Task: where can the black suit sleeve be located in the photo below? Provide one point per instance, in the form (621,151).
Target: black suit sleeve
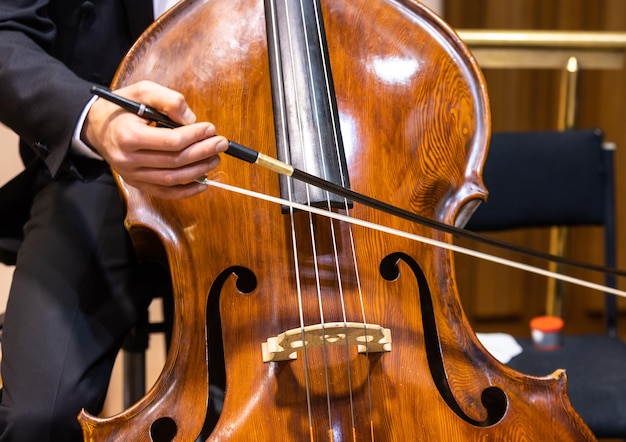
(51,52)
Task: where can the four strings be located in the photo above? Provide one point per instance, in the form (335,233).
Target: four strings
(293,206)
(335,133)
(328,213)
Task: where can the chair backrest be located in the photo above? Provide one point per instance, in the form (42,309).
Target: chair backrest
(552,178)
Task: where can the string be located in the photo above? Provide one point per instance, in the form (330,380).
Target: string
(316,107)
(411,236)
(342,174)
(311,226)
(282,121)
(300,118)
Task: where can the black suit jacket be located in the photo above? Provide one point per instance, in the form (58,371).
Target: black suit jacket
(51,52)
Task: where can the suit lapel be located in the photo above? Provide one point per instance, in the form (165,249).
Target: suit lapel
(139,14)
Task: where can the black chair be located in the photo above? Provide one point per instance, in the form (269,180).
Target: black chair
(555,178)
(136,345)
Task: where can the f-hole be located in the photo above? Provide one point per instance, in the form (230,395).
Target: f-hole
(246,283)
(493,398)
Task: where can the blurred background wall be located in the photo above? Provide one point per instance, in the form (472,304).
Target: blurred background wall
(500,299)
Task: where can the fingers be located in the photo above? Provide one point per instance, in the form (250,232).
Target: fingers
(134,135)
(161,98)
(161,183)
(163,162)
(146,169)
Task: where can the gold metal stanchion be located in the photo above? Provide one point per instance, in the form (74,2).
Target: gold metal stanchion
(568,103)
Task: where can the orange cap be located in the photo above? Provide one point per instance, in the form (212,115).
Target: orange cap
(547,324)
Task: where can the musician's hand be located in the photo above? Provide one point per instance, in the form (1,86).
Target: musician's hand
(160,161)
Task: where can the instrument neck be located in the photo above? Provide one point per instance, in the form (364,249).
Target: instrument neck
(308,135)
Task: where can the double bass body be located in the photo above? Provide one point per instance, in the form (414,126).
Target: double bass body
(330,331)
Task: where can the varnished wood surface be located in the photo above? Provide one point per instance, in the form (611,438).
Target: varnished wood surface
(415,136)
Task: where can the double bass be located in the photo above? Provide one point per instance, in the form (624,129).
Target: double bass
(329,330)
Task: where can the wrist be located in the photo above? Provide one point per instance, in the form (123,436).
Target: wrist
(80,144)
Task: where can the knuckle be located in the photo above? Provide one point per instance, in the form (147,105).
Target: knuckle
(173,141)
(168,179)
(143,87)
(126,139)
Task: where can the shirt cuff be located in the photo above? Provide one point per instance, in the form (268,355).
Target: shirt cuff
(78,146)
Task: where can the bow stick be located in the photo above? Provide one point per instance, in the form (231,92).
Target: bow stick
(251,156)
